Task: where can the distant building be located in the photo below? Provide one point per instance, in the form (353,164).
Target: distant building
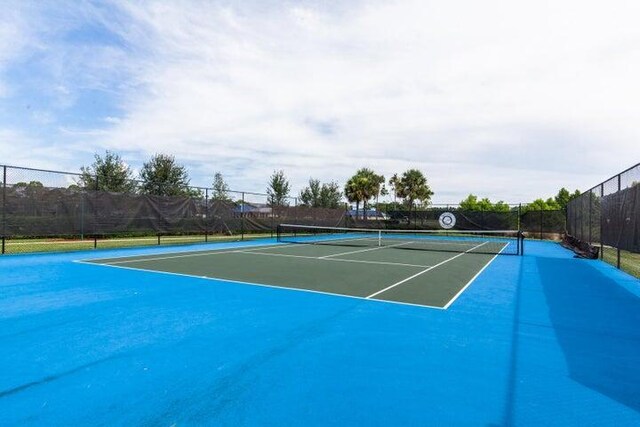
(370,214)
(258,211)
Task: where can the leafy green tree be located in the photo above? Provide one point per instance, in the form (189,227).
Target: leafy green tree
(163,176)
(30,188)
(319,195)
(500,206)
(330,195)
(485,204)
(310,195)
(220,188)
(564,197)
(470,203)
(111,172)
(413,187)
(542,205)
(278,189)
(31,184)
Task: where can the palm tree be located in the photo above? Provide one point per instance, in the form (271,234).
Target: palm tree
(413,187)
(363,186)
(394,183)
(353,192)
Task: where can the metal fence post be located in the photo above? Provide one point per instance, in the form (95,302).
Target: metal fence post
(206,215)
(4,207)
(601,244)
(574,226)
(95,214)
(242,218)
(541,213)
(618,242)
(272,217)
(590,218)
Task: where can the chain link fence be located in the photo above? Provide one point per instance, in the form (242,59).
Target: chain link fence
(50,210)
(44,210)
(538,224)
(608,216)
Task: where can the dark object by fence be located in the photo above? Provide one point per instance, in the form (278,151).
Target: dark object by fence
(582,249)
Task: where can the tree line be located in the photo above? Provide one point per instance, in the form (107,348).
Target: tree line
(558,202)
(162,175)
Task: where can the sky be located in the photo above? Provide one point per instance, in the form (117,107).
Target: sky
(506,100)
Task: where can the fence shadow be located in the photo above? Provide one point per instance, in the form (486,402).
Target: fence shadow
(596,323)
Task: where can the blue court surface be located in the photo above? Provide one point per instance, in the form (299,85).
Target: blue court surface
(539,339)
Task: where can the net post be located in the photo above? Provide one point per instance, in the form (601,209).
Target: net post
(379,238)
(242,218)
(4,206)
(206,214)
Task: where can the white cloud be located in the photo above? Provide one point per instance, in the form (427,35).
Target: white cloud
(505,99)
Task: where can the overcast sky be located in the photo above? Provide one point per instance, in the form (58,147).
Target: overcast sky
(506,99)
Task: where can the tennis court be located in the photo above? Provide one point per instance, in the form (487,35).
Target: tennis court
(346,327)
(416,267)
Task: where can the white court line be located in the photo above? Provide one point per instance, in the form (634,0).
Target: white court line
(369,298)
(186,255)
(239,282)
(401,264)
(204,252)
(455,297)
(424,271)
(191,254)
(364,250)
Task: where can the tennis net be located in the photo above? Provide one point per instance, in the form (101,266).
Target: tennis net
(502,242)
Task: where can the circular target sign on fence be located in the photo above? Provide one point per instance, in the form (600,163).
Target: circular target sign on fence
(447,220)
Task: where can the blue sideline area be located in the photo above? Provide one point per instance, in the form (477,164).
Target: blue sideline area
(544,339)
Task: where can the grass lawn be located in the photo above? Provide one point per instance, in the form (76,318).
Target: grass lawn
(629,261)
(13,246)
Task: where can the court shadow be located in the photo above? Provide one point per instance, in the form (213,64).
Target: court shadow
(597,324)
